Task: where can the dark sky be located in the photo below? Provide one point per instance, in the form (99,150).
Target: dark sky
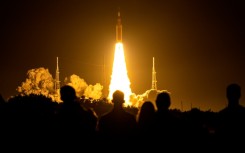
(198,45)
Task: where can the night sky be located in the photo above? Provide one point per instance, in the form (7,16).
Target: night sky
(198,45)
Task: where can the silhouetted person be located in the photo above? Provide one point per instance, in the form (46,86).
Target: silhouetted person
(145,120)
(169,128)
(231,119)
(117,126)
(74,123)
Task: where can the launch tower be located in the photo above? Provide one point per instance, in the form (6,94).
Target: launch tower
(57,80)
(154,79)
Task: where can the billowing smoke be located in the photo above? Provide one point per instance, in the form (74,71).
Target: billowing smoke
(148,95)
(40,81)
(83,89)
(77,83)
(94,92)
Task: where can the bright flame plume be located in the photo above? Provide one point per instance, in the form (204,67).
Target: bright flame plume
(119,77)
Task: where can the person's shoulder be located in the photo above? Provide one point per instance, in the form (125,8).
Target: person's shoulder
(223,110)
(238,110)
(241,107)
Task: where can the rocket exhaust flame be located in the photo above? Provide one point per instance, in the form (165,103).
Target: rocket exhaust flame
(119,77)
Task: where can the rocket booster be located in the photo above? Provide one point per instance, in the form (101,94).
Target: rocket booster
(119,28)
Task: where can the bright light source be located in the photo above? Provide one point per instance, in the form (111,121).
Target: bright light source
(119,77)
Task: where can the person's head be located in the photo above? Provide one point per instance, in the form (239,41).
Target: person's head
(147,110)
(233,93)
(163,100)
(67,93)
(147,107)
(118,97)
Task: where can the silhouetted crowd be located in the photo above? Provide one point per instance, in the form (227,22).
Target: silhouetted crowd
(35,121)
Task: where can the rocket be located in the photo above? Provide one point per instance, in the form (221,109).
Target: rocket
(119,28)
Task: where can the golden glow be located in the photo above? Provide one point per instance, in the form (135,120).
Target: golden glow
(119,77)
